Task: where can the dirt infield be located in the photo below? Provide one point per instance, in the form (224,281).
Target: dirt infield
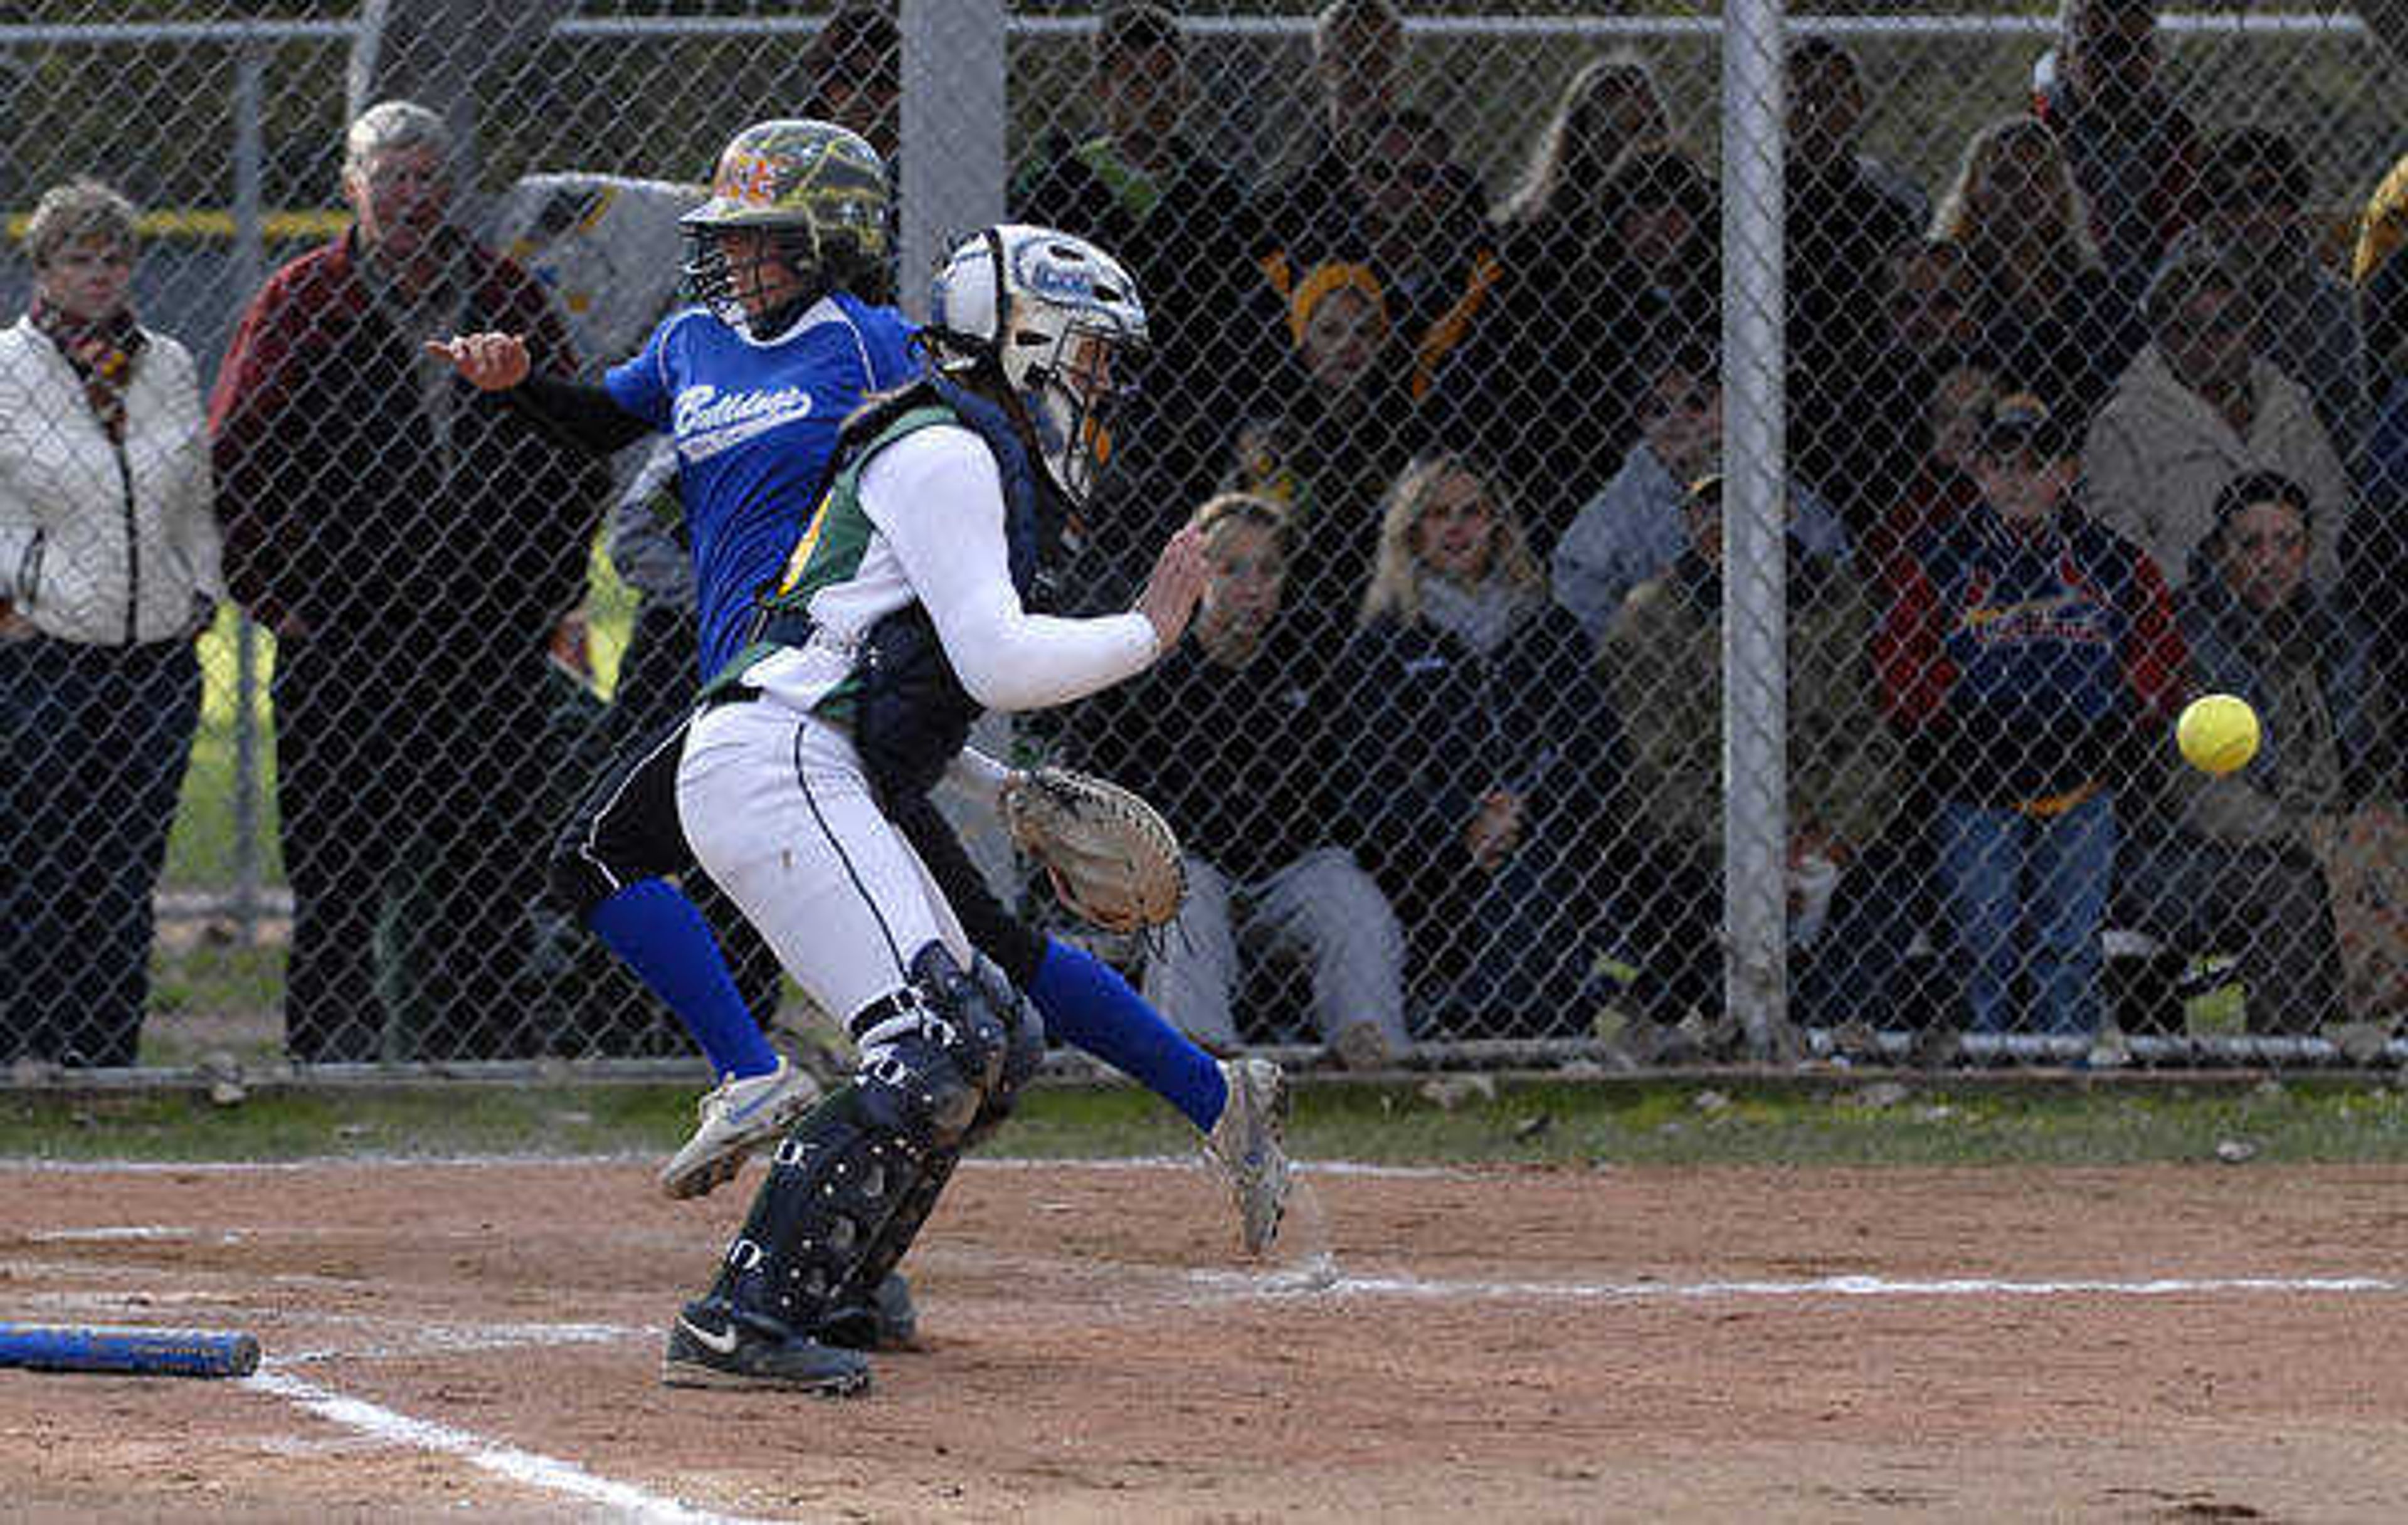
(2170,1344)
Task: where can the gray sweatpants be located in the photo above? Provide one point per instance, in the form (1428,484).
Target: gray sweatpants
(1322,907)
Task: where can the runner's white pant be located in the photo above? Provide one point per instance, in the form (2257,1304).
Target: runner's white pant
(1323,906)
(776,807)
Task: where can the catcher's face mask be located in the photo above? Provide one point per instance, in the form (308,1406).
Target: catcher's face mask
(1062,322)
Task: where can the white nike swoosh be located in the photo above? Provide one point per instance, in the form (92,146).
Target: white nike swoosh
(724,1344)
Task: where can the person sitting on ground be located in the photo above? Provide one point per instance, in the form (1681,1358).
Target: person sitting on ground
(1493,810)
(2238,872)
(1227,738)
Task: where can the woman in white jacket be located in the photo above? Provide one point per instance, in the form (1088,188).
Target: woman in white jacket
(109,568)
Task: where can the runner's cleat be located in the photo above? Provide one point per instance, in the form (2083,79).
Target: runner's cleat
(737,1117)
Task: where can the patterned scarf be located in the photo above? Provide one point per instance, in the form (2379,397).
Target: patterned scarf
(102,353)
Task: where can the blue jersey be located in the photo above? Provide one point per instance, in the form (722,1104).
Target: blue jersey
(754,424)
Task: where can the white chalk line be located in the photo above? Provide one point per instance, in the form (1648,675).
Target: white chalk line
(527,1468)
(1323,1280)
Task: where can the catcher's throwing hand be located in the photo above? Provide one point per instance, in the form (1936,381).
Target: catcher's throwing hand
(491,362)
(1172,589)
(1112,861)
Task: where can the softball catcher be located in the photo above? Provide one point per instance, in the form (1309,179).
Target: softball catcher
(901,616)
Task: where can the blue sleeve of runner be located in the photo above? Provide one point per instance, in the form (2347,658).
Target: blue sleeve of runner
(639,384)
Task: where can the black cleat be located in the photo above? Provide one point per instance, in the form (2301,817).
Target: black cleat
(710,1347)
(885,1321)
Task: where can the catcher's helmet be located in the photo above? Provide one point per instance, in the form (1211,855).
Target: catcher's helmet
(1062,323)
(820,189)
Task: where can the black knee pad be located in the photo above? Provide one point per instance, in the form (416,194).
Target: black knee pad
(932,1053)
(1024,1051)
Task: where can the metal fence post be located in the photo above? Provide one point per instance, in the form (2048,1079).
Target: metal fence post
(954,132)
(1755,650)
(250,270)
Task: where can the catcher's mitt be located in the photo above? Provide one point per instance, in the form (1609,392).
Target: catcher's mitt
(1113,861)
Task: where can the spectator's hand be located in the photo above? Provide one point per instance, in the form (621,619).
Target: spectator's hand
(291,627)
(1172,590)
(13,625)
(1495,830)
(491,362)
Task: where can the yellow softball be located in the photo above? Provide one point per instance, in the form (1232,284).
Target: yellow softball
(2217,733)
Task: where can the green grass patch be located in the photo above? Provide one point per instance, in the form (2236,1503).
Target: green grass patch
(1803,1121)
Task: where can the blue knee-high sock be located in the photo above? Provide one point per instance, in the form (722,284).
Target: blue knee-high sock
(657,931)
(1086,1003)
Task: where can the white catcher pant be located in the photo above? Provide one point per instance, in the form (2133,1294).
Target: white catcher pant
(1322,905)
(774,807)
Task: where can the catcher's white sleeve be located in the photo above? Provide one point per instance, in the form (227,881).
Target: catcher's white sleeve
(978,777)
(938,498)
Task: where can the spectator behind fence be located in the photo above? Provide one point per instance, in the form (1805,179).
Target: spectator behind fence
(2199,407)
(2380,281)
(1348,428)
(1414,218)
(2030,657)
(1491,805)
(1357,53)
(1187,232)
(2134,153)
(108,568)
(1942,486)
(2239,873)
(1227,736)
(852,74)
(2375,551)
(412,542)
(1637,527)
(2051,317)
(2258,191)
(1847,213)
(1663,662)
(1566,333)
(1930,328)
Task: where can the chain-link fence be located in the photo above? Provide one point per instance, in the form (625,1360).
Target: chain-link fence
(2086,402)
